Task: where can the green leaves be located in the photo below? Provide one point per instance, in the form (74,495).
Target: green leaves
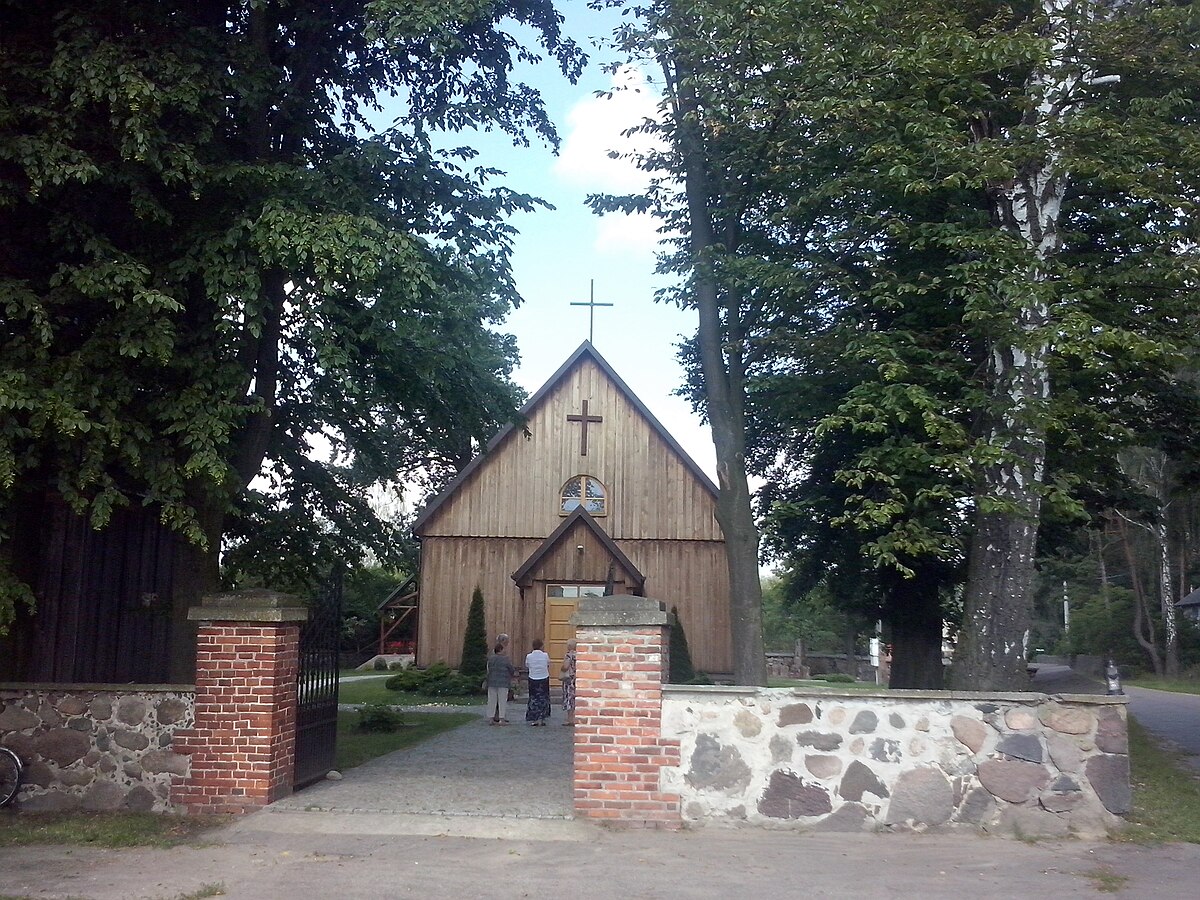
(210,262)
(859,156)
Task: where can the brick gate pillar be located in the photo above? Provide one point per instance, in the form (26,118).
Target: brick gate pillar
(621,663)
(243,743)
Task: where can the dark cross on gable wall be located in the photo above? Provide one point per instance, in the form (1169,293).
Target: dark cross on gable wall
(584,420)
(591,305)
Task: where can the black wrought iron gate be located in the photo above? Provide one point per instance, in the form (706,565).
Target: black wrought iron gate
(317,690)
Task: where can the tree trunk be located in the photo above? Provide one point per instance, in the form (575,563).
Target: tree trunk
(1143,627)
(724,390)
(991,651)
(1162,479)
(1102,565)
(914,614)
(196,573)
(1166,599)
(998,599)
(1153,471)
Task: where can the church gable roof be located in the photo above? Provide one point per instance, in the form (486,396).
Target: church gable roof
(584,352)
(1192,599)
(579,517)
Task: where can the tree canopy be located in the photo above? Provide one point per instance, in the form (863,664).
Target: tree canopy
(954,253)
(215,263)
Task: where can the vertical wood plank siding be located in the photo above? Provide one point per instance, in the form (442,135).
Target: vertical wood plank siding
(689,574)
(104,598)
(515,493)
(660,515)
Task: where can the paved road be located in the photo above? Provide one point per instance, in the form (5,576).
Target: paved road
(573,860)
(1172,717)
(1051,679)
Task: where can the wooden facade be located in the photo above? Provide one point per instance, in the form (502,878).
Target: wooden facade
(104,598)
(502,525)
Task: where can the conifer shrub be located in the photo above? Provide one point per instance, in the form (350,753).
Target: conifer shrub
(439,680)
(475,648)
(681,670)
(453,685)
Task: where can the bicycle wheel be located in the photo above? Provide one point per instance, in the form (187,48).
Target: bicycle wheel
(10,775)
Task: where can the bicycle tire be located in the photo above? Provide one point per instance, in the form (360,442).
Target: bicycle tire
(10,775)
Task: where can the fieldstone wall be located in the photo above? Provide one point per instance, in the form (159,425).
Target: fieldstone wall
(1022,764)
(96,747)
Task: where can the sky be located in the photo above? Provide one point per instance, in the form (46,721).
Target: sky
(559,253)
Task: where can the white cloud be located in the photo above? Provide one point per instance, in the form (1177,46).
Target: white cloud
(595,126)
(618,233)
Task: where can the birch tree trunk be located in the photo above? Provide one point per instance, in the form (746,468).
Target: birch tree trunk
(997,603)
(1152,471)
(1158,478)
(1166,597)
(1143,625)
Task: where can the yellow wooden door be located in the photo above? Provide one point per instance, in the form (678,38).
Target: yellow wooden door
(559,630)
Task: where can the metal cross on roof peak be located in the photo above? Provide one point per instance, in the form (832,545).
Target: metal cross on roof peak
(591,304)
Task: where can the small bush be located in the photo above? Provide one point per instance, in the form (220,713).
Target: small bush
(438,670)
(836,678)
(380,664)
(377,718)
(406,680)
(453,686)
(439,680)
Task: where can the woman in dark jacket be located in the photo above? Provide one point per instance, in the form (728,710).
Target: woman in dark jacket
(500,671)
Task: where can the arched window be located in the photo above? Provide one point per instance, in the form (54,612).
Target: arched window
(586,491)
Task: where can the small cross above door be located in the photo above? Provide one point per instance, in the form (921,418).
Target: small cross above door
(584,420)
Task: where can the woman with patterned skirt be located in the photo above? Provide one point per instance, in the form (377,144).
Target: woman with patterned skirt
(538,665)
(567,675)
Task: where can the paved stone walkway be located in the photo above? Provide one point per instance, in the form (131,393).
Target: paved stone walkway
(476,770)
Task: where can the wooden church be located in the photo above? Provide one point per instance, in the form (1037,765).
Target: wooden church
(591,494)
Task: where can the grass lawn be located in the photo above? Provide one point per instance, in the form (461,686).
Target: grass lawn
(1179,686)
(373,691)
(1166,793)
(110,830)
(355,747)
(818,683)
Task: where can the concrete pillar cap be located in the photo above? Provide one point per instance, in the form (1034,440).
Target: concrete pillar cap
(254,605)
(621,610)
